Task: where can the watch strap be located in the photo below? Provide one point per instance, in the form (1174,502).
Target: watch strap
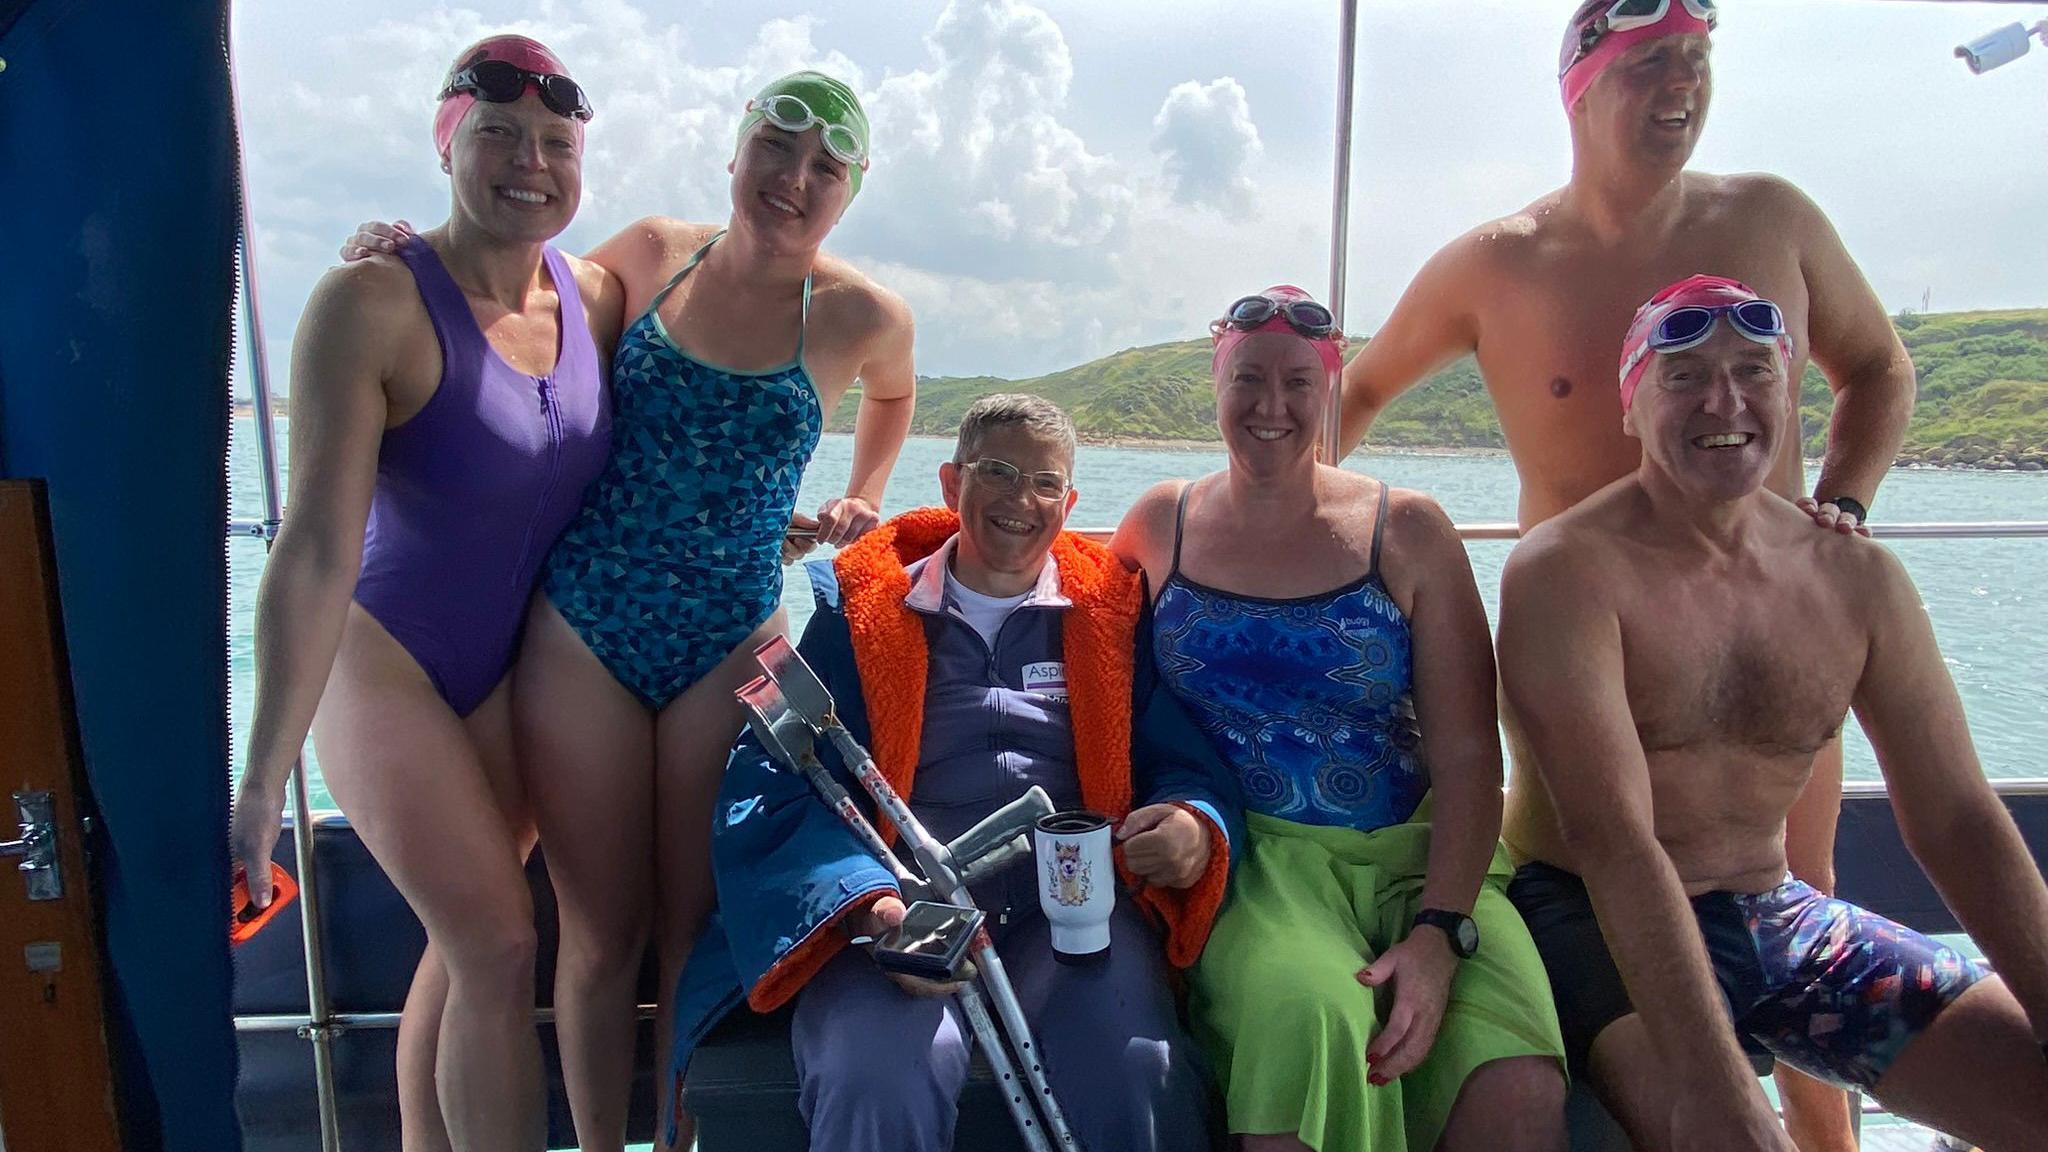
(1852,506)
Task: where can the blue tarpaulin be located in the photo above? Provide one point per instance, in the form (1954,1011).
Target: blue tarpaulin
(118,192)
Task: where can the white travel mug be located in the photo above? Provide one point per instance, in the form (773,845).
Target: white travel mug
(1076,882)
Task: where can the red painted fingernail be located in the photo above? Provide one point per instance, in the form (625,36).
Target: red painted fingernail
(1376,1080)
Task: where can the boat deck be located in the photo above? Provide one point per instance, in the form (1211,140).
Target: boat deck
(1896,1136)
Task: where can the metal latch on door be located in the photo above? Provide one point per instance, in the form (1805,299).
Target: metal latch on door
(36,814)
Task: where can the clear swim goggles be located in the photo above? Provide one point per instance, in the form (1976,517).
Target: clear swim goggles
(1628,15)
(788,112)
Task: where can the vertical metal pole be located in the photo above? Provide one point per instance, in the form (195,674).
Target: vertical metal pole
(319,1028)
(1340,203)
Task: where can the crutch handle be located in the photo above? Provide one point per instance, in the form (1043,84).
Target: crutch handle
(1005,828)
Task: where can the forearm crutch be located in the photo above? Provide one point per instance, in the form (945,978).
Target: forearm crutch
(788,708)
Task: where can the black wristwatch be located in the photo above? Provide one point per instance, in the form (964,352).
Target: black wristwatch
(1852,506)
(1457,927)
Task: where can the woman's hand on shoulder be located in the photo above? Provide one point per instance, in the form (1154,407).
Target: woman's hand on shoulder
(376,238)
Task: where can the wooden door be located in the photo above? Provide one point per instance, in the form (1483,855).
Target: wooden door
(56,1083)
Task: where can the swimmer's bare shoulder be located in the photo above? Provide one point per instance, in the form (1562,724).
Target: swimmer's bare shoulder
(368,314)
(847,301)
(1572,556)
(1842,560)
(1489,256)
(1144,537)
(650,249)
(1462,284)
(1758,200)
(865,326)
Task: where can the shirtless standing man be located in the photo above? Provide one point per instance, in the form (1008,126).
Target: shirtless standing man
(1542,297)
(1676,648)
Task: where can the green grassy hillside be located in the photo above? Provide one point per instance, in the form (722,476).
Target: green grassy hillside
(1983,396)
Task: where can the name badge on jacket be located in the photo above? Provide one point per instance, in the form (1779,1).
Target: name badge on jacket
(1047,678)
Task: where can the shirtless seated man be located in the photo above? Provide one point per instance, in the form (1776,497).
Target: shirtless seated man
(1672,651)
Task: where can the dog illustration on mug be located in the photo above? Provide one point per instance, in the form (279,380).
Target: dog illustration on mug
(1070,875)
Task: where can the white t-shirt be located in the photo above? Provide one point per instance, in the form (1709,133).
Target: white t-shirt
(985,614)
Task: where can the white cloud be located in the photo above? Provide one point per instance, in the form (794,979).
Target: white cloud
(1035,215)
(975,170)
(1207,142)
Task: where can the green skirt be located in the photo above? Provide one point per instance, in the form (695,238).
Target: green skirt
(1276,1003)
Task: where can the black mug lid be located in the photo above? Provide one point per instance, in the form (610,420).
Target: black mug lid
(1072,822)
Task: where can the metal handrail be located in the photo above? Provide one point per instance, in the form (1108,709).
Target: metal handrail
(1922,530)
(1500,530)
(340,1022)
(317,1027)
(1340,196)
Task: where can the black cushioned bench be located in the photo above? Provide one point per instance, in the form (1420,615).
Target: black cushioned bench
(742,1082)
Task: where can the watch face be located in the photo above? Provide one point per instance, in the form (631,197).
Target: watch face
(1468,936)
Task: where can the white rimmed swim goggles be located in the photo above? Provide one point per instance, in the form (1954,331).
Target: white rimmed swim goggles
(788,112)
(1628,15)
(1689,326)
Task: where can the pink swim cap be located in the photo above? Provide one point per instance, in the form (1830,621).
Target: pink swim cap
(518,51)
(1227,336)
(1575,74)
(1701,291)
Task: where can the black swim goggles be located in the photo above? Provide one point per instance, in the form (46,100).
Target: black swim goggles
(499,82)
(1628,15)
(1304,316)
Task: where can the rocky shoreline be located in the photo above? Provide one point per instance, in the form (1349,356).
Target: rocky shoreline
(1984,457)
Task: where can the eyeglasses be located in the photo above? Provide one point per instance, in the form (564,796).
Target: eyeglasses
(499,82)
(1628,15)
(788,112)
(1006,478)
(1304,316)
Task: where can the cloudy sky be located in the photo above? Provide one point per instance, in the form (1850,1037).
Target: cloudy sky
(1058,179)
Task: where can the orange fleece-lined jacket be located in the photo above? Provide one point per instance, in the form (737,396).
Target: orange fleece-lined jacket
(788,871)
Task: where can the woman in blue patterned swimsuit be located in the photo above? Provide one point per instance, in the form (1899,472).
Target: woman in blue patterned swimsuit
(742,340)
(745,338)
(1327,634)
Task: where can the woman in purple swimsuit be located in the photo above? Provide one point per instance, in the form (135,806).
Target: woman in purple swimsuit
(449,407)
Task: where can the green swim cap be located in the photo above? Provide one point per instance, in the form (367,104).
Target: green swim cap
(802,100)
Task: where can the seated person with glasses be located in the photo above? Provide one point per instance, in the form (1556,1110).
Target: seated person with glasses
(977,650)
